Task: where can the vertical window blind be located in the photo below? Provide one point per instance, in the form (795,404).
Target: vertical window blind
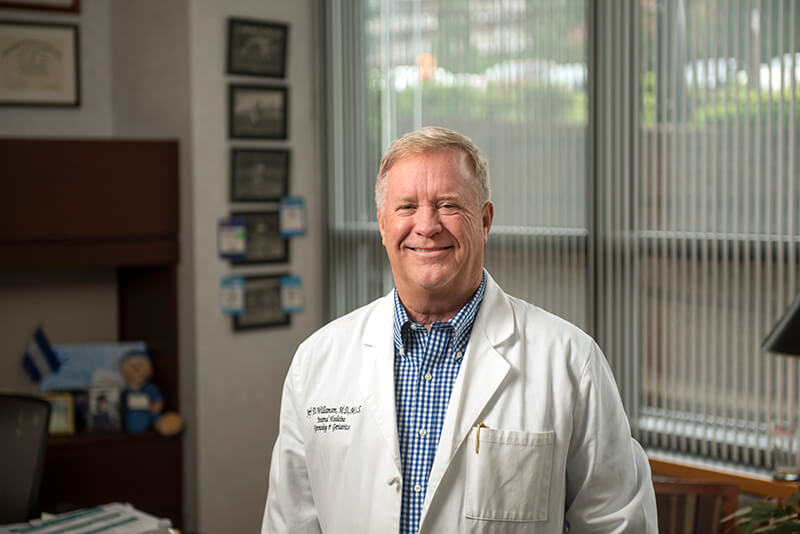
(715,178)
(644,166)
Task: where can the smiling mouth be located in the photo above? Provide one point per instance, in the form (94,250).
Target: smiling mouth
(429,249)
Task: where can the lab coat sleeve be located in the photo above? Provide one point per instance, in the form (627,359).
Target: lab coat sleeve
(290,504)
(609,485)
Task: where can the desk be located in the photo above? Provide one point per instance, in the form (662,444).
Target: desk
(84,470)
(756,485)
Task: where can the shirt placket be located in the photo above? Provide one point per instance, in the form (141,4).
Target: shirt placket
(415,487)
(425,408)
(425,369)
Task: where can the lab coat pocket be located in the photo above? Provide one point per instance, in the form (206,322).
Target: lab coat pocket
(508,475)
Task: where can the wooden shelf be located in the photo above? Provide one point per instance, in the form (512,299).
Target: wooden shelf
(88,253)
(87,189)
(72,203)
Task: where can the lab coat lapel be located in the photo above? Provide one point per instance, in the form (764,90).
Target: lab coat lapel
(482,372)
(377,378)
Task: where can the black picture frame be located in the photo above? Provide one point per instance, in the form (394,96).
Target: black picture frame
(65,6)
(262,301)
(55,82)
(258,111)
(259,174)
(257,47)
(264,241)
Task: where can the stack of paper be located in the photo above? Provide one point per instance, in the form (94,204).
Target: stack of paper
(114,518)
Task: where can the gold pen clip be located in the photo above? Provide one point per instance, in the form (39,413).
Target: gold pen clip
(478,435)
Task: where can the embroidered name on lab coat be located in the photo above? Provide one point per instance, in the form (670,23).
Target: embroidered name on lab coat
(327,419)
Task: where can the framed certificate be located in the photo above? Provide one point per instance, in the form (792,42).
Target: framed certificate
(39,64)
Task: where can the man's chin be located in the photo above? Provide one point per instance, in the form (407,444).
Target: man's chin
(436,283)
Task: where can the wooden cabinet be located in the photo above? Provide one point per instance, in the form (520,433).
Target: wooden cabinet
(113,203)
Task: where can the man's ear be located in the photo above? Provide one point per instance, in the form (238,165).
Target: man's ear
(382,226)
(487,216)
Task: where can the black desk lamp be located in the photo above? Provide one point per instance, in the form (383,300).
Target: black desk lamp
(785,339)
(785,335)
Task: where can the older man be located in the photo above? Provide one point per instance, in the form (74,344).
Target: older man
(447,405)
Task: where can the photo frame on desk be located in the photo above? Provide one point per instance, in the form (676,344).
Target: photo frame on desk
(259,175)
(262,304)
(62,418)
(257,47)
(104,409)
(39,64)
(263,240)
(258,111)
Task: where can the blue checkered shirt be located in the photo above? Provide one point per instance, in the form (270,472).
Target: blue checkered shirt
(426,365)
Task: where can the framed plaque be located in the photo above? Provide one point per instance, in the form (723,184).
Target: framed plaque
(257,48)
(257,111)
(264,243)
(259,175)
(262,303)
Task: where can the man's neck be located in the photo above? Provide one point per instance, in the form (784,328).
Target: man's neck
(427,307)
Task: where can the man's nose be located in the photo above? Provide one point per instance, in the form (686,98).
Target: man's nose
(427,222)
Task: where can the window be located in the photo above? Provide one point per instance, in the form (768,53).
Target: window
(716,222)
(644,165)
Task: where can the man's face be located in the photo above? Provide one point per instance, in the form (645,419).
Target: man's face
(431,225)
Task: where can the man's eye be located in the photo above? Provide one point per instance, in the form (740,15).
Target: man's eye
(449,207)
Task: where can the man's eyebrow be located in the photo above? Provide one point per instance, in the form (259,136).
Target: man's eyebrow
(450,196)
(440,198)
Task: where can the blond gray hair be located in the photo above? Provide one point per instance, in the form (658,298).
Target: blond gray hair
(432,139)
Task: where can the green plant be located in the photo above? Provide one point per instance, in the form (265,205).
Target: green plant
(772,516)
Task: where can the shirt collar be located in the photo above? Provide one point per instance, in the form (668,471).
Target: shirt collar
(461,322)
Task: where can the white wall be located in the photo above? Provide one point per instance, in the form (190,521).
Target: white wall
(150,92)
(72,306)
(157,69)
(239,376)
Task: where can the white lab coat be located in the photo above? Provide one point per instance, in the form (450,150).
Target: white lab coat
(556,452)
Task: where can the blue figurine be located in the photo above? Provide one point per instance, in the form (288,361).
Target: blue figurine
(141,400)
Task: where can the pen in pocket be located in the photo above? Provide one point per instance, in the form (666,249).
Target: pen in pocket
(478,435)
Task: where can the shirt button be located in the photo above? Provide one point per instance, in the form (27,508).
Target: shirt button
(422,432)
(417,488)
(428,377)
(458,354)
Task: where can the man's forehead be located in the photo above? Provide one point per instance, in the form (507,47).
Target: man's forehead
(455,164)
(454,154)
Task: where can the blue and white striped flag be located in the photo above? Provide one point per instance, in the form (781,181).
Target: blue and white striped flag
(40,359)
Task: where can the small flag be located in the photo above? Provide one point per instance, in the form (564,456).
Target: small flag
(40,359)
